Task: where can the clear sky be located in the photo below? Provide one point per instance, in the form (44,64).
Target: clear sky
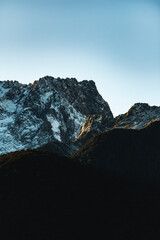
(116,43)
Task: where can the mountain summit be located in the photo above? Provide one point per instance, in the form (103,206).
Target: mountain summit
(138,116)
(49,110)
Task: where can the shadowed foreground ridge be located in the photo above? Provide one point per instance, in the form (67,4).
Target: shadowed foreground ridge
(44,196)
(132,154)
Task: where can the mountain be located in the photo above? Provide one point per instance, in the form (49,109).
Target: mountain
(127,153)
(51,110)
(44,196)
(60,115)
(108,189)
(138,116)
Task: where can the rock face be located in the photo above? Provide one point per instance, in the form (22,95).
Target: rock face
(93,125)
(138,116)
(49,110)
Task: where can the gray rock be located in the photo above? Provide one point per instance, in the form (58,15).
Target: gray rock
(138,116)
(51,110)
(93,125)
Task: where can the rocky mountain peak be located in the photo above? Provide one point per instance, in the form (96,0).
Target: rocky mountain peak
(83,95)
(138,108)
(49,110)
(138,116)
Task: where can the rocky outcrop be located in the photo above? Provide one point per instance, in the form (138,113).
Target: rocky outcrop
(93,125)
(138,116)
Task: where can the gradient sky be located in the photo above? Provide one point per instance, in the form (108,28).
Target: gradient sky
(116,43)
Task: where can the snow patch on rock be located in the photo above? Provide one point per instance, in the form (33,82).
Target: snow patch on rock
(55,127)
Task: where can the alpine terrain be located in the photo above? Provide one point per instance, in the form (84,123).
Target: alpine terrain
(109,187)
(60,115)
(49,111)
(138,117)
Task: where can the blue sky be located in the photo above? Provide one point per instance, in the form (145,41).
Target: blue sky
(116,43)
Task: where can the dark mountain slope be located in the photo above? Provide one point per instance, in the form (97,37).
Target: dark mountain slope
(138,117)
(44,196)
(133,154)
(62,149)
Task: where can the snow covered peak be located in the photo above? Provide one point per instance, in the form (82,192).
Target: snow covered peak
(49,110)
